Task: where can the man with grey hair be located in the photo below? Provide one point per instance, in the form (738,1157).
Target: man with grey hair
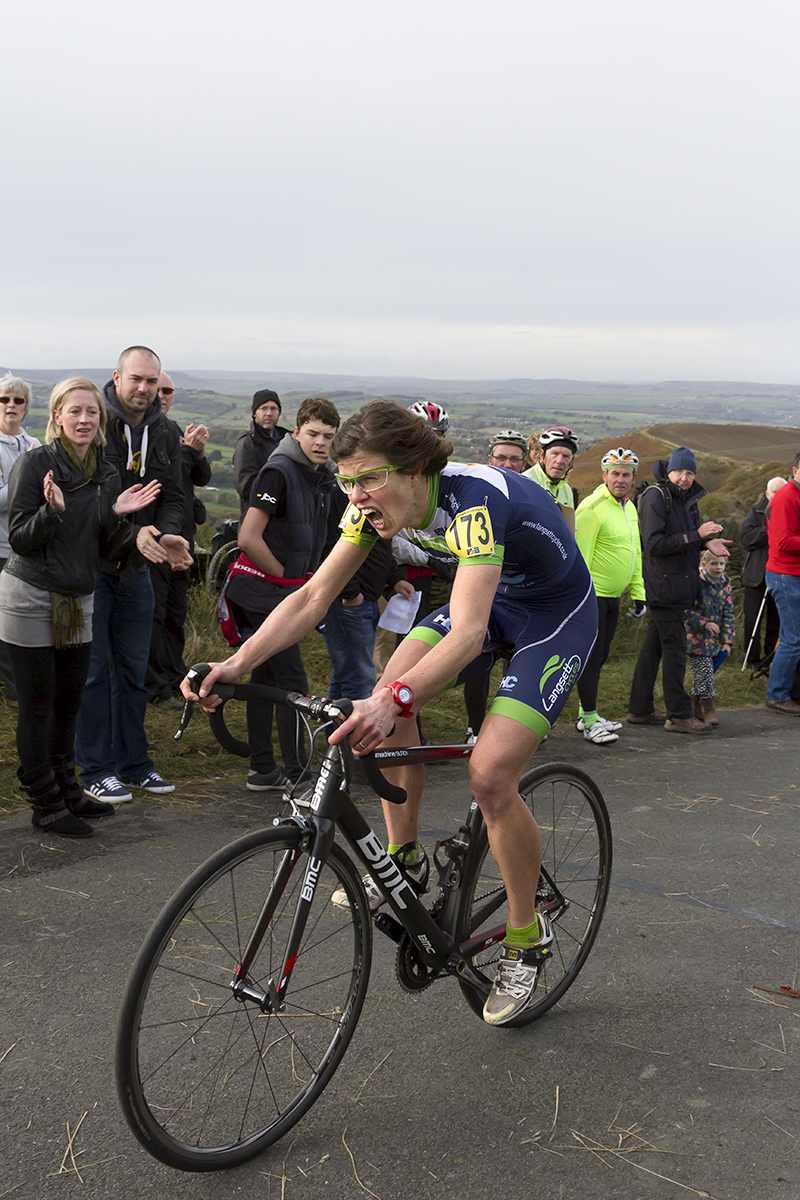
(15,399)
(111,744)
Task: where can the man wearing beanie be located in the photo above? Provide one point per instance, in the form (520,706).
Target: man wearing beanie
(672,541)
(254,447)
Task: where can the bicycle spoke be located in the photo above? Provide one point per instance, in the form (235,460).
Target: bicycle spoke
(213,1085)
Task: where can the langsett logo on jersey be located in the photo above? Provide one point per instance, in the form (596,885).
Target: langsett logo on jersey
(559,675)
(548,533)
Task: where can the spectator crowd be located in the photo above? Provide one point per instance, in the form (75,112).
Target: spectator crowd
(97,534)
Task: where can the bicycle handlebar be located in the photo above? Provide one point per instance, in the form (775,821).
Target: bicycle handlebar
(312,705)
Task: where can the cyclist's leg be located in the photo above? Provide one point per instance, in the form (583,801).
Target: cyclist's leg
(553,637)
(498,760)
(402,820)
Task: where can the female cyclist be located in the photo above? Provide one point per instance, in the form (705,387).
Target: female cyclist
(519,579)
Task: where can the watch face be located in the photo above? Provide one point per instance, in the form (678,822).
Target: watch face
(405,695)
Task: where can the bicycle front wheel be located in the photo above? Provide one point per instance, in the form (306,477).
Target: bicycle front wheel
(573,885)
(208,1079)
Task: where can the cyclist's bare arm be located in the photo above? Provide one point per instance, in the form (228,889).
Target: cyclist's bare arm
(470,604)
(287,624)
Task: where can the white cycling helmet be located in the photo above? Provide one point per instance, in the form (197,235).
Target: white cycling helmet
(558,435)
(508,437)
(620,458)
(433,413)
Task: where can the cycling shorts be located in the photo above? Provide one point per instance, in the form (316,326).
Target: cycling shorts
(552,638)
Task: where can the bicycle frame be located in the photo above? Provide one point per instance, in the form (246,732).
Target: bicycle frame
(332,807)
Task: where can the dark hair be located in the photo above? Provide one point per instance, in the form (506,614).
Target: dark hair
(796,462)
(396,434)
(123,358)
(317,408)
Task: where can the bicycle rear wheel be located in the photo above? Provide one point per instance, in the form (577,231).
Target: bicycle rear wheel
(207,1080)
(573,886)
(218,567)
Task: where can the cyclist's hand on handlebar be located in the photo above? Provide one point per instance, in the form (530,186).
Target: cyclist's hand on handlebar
(372,719)
(219,673)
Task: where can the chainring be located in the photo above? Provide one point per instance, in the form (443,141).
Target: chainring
(413,974)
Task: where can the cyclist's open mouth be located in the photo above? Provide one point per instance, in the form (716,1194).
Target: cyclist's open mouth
(375,518)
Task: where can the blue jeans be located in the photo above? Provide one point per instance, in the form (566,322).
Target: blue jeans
(785,590)
(349,632)
(110,735)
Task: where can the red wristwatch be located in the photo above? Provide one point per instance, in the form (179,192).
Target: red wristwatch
(403,696)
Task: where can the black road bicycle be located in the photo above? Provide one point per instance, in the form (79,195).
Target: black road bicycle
(247,989)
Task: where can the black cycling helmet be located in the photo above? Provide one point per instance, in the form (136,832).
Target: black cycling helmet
(558,435)
(433,413)
(508,437)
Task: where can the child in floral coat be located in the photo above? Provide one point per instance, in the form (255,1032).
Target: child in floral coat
(709,632)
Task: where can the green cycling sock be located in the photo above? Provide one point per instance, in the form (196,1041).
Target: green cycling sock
(589,719)
(528,936)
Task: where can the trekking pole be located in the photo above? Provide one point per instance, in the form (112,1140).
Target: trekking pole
(755,629)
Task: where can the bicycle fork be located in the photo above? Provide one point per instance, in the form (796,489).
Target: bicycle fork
(271,1000)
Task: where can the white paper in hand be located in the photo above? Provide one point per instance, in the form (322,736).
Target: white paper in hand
(400,614)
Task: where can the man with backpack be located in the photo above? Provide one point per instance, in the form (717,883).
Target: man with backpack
(672,540)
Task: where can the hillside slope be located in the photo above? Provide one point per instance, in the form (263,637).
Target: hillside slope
(734,461)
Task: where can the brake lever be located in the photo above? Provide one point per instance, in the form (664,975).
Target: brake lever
(196,675)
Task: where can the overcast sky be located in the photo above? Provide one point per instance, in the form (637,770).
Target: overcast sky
(592,189)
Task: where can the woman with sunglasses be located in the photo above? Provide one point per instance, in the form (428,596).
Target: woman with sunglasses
(519,579)
(64,508)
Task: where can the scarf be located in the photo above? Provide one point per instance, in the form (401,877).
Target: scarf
(68,610)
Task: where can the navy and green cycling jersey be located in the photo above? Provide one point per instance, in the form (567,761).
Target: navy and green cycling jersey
(544,607)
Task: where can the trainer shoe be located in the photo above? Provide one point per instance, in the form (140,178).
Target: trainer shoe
(151,782)
(417,875)
(470,738)
(516,978)
(601,734)
(267,781)
(109,790)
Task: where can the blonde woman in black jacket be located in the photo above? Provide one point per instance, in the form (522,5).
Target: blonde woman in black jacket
(65,510)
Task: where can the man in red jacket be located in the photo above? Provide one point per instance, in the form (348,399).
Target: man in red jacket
(783,581)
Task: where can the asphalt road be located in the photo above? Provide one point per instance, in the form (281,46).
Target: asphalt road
(665,1071)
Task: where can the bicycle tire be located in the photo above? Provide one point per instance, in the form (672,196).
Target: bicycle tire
(218,567)
(576,854)
(207,1081)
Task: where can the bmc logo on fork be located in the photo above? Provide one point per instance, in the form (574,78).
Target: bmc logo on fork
(385,869)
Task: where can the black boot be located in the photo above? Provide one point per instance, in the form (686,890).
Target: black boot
(50,813)
(72,793)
